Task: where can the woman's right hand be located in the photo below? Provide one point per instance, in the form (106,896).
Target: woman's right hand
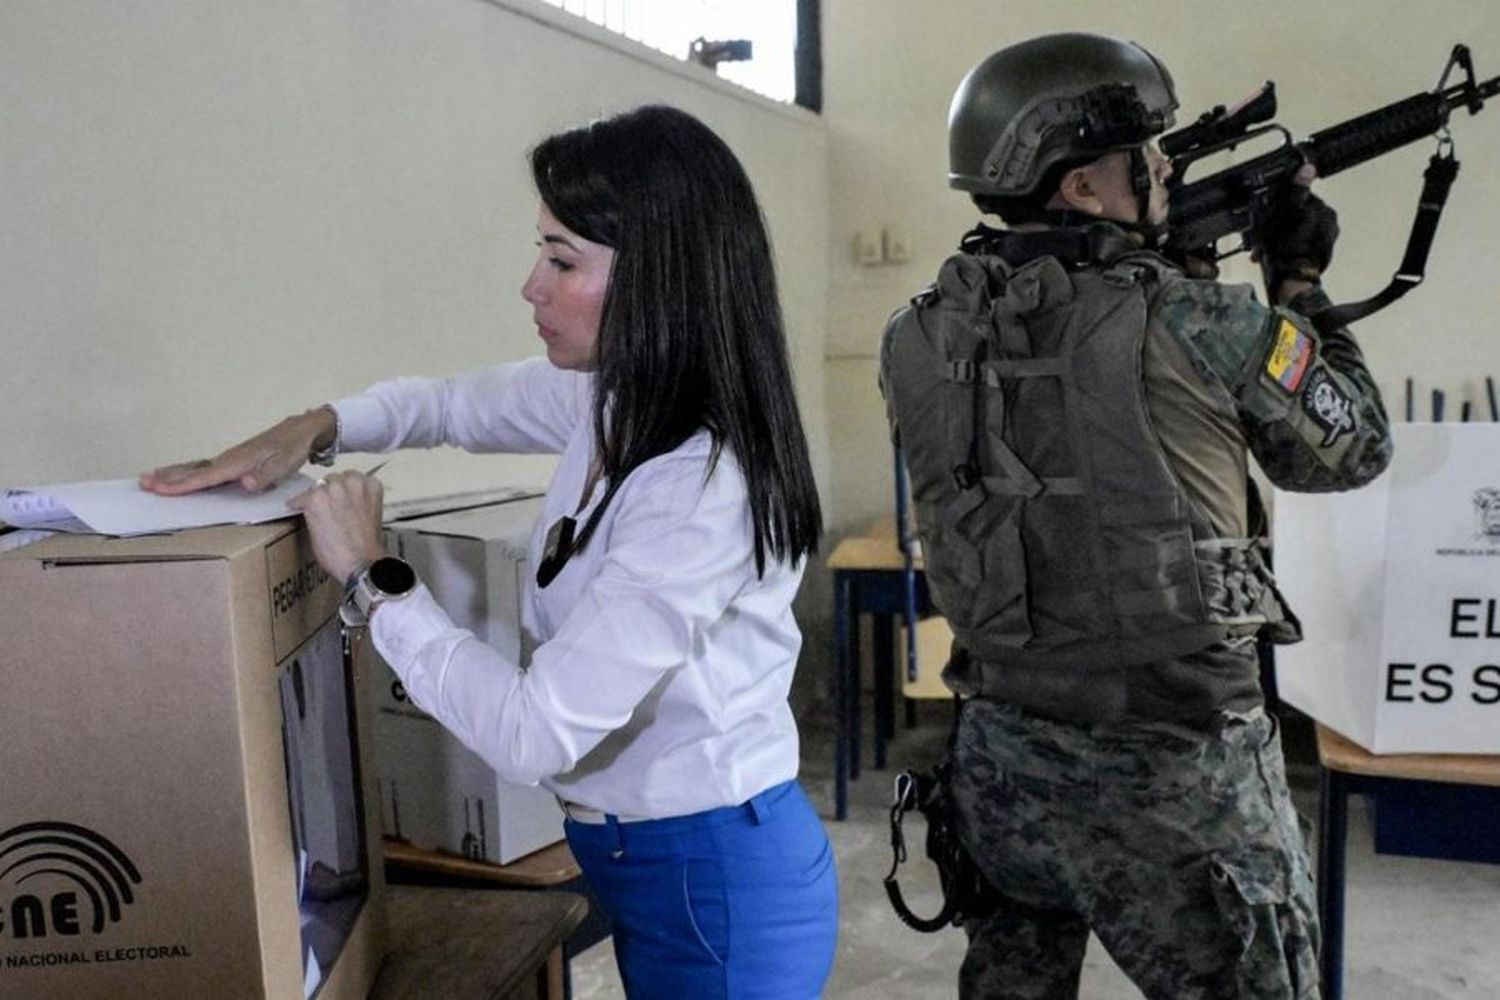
(256,464)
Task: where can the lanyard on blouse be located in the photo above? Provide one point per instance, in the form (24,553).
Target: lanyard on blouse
(564,539)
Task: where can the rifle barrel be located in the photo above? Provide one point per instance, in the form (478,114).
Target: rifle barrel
(1375,133)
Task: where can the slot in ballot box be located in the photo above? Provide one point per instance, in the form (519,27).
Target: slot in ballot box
(1398,588)
(436,793)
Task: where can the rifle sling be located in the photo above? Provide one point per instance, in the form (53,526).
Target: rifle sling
(1075,245)
(1437,180)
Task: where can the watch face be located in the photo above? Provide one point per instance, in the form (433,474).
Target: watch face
(392,576)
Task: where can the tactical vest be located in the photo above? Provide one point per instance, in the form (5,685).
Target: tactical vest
(1054,529)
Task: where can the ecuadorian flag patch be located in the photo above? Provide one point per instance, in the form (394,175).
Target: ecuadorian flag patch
(1290,356)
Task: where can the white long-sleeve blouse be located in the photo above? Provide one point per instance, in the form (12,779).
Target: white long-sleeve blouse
(660,679)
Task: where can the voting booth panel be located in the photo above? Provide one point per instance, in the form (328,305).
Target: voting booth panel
(183,813)
(1397,586)
(435,792)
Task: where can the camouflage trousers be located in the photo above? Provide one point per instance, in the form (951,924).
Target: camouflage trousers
(1179,849)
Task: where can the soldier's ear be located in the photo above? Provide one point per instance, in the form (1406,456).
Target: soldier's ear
(1076,190)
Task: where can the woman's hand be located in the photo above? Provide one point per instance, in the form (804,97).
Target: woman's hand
(256,464)
(343,514)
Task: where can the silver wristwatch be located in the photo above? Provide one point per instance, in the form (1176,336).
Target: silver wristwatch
(386,579)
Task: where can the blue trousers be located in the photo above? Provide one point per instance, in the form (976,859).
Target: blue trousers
(738,902)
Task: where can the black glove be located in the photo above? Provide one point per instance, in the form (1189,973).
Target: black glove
(1296,239)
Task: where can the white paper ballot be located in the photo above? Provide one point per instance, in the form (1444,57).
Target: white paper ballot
(121,507)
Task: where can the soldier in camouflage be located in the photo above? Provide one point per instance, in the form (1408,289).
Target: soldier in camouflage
(1076,415)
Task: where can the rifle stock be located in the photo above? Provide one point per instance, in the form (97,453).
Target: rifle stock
(1232,200)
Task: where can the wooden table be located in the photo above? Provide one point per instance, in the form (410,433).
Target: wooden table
(1348,769)
(549,871)
(475,944)
(868,578)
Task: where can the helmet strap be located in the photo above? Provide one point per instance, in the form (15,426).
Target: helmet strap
(1140,183)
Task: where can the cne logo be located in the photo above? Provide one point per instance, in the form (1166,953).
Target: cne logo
(56,879)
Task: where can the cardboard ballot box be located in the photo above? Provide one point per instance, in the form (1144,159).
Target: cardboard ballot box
(180,808)
(1398,589)
(436,793)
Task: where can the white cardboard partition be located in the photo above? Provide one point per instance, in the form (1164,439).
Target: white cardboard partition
(1398,589)
(436,793)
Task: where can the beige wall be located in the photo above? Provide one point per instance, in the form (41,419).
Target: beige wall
(218,212)
(891,68)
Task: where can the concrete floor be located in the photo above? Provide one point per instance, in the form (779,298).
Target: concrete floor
(1416,929)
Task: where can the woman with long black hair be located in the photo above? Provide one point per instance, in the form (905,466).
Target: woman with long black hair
(671,544)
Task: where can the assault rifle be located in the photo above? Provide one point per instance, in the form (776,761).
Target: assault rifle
(1239,198)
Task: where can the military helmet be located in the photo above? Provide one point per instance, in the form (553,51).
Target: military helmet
(1056,99)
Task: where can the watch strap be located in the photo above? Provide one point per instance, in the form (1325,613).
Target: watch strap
(350,612)
(362,592)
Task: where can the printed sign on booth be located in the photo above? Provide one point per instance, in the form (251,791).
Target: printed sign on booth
(1398,588)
